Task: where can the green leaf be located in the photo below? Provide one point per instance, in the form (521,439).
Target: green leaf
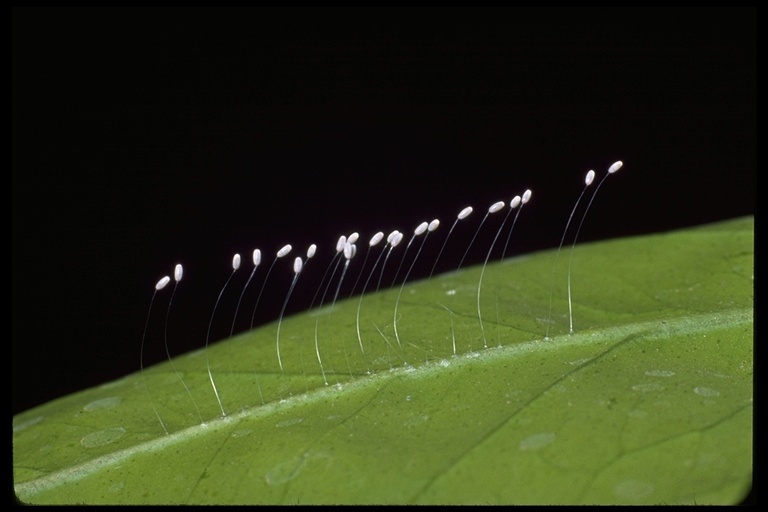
(649,401)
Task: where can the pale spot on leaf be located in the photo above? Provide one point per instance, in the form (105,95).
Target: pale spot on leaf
(102,437)
(647,387)
(537,441)
(702,391)
(659,373)
(633,490)
(27,424)
(103,403)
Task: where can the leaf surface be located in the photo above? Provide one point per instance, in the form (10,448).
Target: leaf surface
(649,401)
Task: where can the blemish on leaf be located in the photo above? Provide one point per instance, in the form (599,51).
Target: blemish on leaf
(285,471)
(702,391)
(114,383)
(242,432)
(102,437)
(103,403)
(288,423)
(633,490)
(648,386)
(416,420)
(537,441)
(659,373)
(27,424)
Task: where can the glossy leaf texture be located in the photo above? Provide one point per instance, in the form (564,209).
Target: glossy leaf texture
(649,401)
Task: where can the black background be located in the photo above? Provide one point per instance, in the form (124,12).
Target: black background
(143,138)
